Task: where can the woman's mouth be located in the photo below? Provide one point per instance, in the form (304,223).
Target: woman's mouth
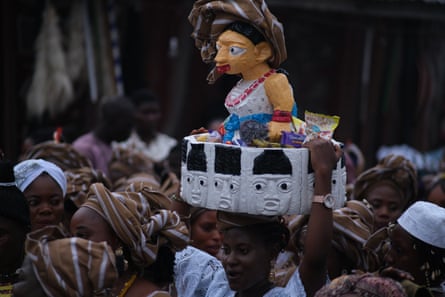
(223,68)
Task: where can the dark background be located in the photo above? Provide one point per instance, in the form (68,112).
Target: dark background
(379,65)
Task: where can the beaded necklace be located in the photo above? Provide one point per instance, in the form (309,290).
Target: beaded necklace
(240,98)
(127,285)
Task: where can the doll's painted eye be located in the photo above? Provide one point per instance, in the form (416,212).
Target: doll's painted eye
(217,47)
(236,51)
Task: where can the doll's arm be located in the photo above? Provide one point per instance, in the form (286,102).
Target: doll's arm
(279,93)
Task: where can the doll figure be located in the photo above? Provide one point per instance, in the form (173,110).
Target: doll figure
(261,104)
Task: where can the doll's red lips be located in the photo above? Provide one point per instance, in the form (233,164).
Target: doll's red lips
(223,68)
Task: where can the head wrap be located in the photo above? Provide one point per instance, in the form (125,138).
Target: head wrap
(148,180)
(142,230)
(421,218)
(211,17)
(364,285)
(155,198)
(227,220)
(13,202)
(61,154)
(353,225)
(126,162)
(397,170)
(79,181)
(28,170)
(84,268)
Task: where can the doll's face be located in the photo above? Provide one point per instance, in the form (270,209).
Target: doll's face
(236,53)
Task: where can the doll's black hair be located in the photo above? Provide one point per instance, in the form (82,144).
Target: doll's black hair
(247,30)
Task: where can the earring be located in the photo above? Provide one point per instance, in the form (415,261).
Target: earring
(121,262)
(272,276)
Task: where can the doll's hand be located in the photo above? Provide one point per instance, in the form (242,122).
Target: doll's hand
(199,131)
(275,129)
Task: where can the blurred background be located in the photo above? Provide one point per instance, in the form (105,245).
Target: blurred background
(378,64)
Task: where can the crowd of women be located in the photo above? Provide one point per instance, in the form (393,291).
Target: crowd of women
(103,216)
(67,229)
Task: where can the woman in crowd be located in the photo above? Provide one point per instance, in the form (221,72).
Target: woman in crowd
(144,240)
(44,185)
(251,243)
(56,266)
(417,246)
(389,188)
(204,234)
(435,191)
(14,224)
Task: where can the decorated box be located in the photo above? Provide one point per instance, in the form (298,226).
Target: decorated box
(265,181)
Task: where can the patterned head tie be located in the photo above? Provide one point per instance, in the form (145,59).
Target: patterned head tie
(142,229)
(79,181)
(365,285)
(210,18)
(394,169)
(61,154)
(84,268)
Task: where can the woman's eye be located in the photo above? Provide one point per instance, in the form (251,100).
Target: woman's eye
(81,235)
(244,251)
(33,202)
(55,202)
(225,250)
(235,51)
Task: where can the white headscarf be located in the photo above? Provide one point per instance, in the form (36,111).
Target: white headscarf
(29,170)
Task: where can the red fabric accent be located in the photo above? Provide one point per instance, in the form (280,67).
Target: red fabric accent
(221,130)
(281,116)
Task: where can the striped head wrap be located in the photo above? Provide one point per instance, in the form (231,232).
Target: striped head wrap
(61,154)
(28,171)
(394,169)
(148,180)
(84,268)
(79,181)
(155,198)
(125,162)
(140,228)
(353,225)
(211,17)
(364,285)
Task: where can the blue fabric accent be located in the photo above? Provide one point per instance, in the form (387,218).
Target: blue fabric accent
(232,123)
(294,110)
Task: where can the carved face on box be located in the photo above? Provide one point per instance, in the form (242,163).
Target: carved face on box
(267,181)
(195,178)
(272,182)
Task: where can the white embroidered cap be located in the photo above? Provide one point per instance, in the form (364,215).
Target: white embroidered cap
(28,170)
(425,221)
